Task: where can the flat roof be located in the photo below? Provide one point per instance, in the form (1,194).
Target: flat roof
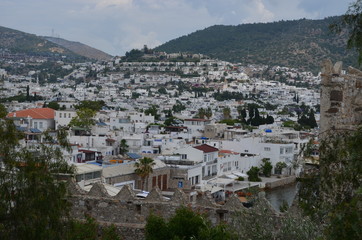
(87,168)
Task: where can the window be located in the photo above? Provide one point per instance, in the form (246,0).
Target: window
(281,150)
(60,115)
(183,156)
(288,150)
(205,157)
(35,124)
(41,125)
(267,149)
(69,115)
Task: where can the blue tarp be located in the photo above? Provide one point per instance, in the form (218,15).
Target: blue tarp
(35,130)
(134,155)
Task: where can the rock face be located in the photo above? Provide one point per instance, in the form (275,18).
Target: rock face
(341,98)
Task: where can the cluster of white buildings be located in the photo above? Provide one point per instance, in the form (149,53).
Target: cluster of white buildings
(192,154)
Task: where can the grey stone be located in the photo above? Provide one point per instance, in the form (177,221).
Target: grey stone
(180,197)
(234,203)
(155,195)
(98,190)
(126,194)
(337,68)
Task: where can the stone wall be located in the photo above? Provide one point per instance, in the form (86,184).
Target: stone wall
(341,98)
(129,213)
(281,182)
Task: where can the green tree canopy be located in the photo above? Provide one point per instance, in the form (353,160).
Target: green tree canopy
(32,202)
(123,147)
(84,119)
(93,105)
(186,224)
(3,111)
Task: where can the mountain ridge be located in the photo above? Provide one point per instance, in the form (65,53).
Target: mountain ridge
(299,43)
(80,48)
(18,42)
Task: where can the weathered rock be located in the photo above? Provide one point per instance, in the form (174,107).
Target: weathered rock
(98,190)
(126,194)
(337,68)
(155,195)
(234,203)
(74,189)
(180,197)
(205,199)
(354,71)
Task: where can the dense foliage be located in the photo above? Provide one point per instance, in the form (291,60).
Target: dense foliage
(332,193)
(352,23)
(299,43)
(32,202)
(186,224)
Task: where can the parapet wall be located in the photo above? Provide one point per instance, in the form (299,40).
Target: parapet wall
(129,213)
(341,98)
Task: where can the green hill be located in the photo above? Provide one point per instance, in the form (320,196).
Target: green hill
(80,48)
(14,41)
(298,43)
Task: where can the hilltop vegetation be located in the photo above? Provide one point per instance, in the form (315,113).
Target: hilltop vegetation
(17,42)
(80,48)
(299,43)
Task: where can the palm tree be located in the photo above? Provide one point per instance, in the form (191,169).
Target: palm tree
(144,168)
(123,147)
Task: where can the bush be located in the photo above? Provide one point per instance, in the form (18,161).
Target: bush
(253,174)
(266,167)
(241,179)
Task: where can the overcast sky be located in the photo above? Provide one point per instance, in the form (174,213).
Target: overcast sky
(117,26)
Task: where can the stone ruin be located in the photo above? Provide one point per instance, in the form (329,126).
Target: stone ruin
(129,213)
(341,98)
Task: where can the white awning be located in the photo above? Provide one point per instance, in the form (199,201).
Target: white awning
(239,174)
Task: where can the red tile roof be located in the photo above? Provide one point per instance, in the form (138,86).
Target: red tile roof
(35,113)
(197,120)
(206,148)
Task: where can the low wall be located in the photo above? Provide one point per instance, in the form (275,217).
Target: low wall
(280,182)
(129,213)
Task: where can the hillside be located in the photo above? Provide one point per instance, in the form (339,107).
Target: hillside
(298,43)
(79,48)
(15,41)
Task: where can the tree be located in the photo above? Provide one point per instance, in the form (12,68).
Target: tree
(279,167)
(352,23)
(84,119)
(253,174)
(27,93)
(123,147)
(311,119)
(266,167)
(153,111)
(201,113)
(144,169)
(186,224)
(53,105)
(332,193)
(3,111)
(32,195)
(162,90)
(226,113)
(93,105)
(208,113)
